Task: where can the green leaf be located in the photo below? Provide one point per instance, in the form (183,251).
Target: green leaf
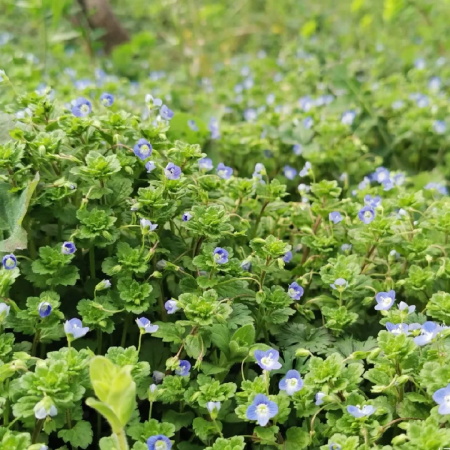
(12,212)
(245,336)
(296,439)
(80,435)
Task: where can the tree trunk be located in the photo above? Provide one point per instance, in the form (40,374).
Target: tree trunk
(100,15)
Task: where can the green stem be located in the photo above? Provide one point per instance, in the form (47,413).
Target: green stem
(36,338)
(125,330)
(121,439)
(258,219)
(6,406)
(217,427)
(99,342)
(150,411)
(140,342)
(37,430)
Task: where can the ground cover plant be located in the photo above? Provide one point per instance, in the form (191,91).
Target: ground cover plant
(256,258)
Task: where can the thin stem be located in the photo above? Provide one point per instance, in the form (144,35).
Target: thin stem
(140,342)
(217,427)
(99,341)
(37,430)
(92,262)
(125,330)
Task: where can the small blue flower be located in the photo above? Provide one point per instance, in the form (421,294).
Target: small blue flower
(205,164)
(442,398)
(402,306)
(213,406)
(267,360)
(339,284)
(440,127)
(334,446)
(295,291)
(398,328)
(146,326)
(171,306)
(159,442)
(224,171)
(438,187)
(319,398)
(250,114)
(150,166)
(166,113)
(380,175)
(366,214)
(152,102)
(297,149)
(147,224)
(308,122)
(246,265)
(74,327)
(289,172)
(68,248)
(291,383)
(428,332)
(81,107)
(44,309)
(287,257)
(220,255)
(143,149)
(371,201)
(259,171)
(335,217)
(213,127)
(4,310)
(358,411)
(434,83)
(348,117)
(306,168)
(172,171)
(385,300)
(9,262)
(192,125)
(346,247)
(45,408)
(186,216)
(183,368)
(107,99)
(262,410)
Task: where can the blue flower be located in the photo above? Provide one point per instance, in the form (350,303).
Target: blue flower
(306,168)
(385,300)
(438,187)
(4,310)
(440,127)
(146,326)
(308,122)
(428,332)
(107,99)
(259,171)
(68,248)
(172,171)
(289,172)
(81,107)
(44,408)
(220,255)
(166,113)
(213,406)
(143,149)
(267,360)
(358,411)
(224,171)
(319,398)
(183,368)
(150,166)
(9,262)
(442,398)
(192,125)
(44,309)
(159,442)
(346,247)
(348,117)
(158,376)
(171,306)
(339,284)
(334,446)
(152,101)
(297,149)
(246,265)
(398,328)
(402,306)
(262,409)
(145,223)
(250,114)
(186,216)
(213,127)
(205,164)
(291,383)
(295,291)
(335,217)
(373,202)
(287,257)
(366,214)
(380,175)
(74,327)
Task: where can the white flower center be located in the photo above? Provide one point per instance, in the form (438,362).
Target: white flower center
(367,214)
(145,150)
(84,109)
(447,400)
(160,445)
(267,360)
(292,382)
(263,410)
(385,300)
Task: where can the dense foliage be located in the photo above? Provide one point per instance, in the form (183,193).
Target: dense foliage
(257,258)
